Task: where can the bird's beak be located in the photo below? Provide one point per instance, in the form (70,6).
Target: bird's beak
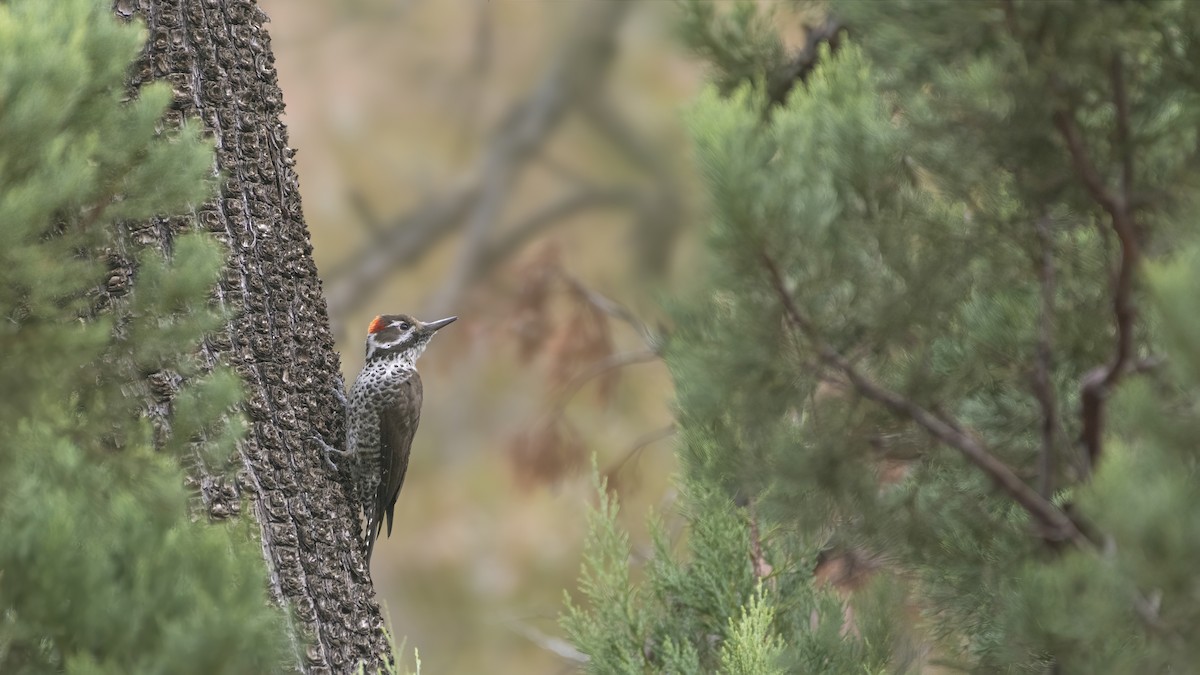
(433,326)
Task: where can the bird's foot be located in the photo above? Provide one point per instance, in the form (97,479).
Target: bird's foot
(339,393)
(328,451)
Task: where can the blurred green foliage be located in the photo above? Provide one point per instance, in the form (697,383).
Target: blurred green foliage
(101,570)
(918,195)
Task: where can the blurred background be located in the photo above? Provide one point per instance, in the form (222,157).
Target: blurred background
(522,164)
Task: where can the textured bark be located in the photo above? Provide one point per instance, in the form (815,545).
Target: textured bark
(216,56)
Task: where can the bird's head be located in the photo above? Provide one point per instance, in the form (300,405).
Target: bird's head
(400,334)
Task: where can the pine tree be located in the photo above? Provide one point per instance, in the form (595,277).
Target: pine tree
(944,335)
(101,569)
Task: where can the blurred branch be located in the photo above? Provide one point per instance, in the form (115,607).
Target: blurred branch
(478,201)
(659,217)
(797,69)
(476,76)
(588,52)
(610,124)
(762,568)
(365,214)
(1056,524)
(562,171)
(1124,142)
(1098,382)
(520,234)
(404,242)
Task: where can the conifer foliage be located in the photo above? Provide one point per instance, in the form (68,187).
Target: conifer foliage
(946,345)
(101,570)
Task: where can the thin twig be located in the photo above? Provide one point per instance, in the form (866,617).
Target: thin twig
(1056,524)
(1044,364)
(653,352)
(554,645)
(653,341)
(643,442)
(605,365)
(1146,364)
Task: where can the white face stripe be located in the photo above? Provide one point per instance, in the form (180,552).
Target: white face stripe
(373,344)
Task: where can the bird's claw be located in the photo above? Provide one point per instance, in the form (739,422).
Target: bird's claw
(340,394)
(327,452)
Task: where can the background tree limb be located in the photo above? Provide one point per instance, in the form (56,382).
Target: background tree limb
(1057,525)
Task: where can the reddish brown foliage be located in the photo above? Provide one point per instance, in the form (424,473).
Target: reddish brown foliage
(558,325)
(546,452)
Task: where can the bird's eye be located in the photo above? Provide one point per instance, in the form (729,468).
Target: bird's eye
(404,325)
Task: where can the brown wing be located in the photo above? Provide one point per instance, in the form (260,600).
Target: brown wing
(397,424)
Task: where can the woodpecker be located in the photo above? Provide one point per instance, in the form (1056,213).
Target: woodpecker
(382,413)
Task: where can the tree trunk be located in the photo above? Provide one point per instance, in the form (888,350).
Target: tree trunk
(217,57)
